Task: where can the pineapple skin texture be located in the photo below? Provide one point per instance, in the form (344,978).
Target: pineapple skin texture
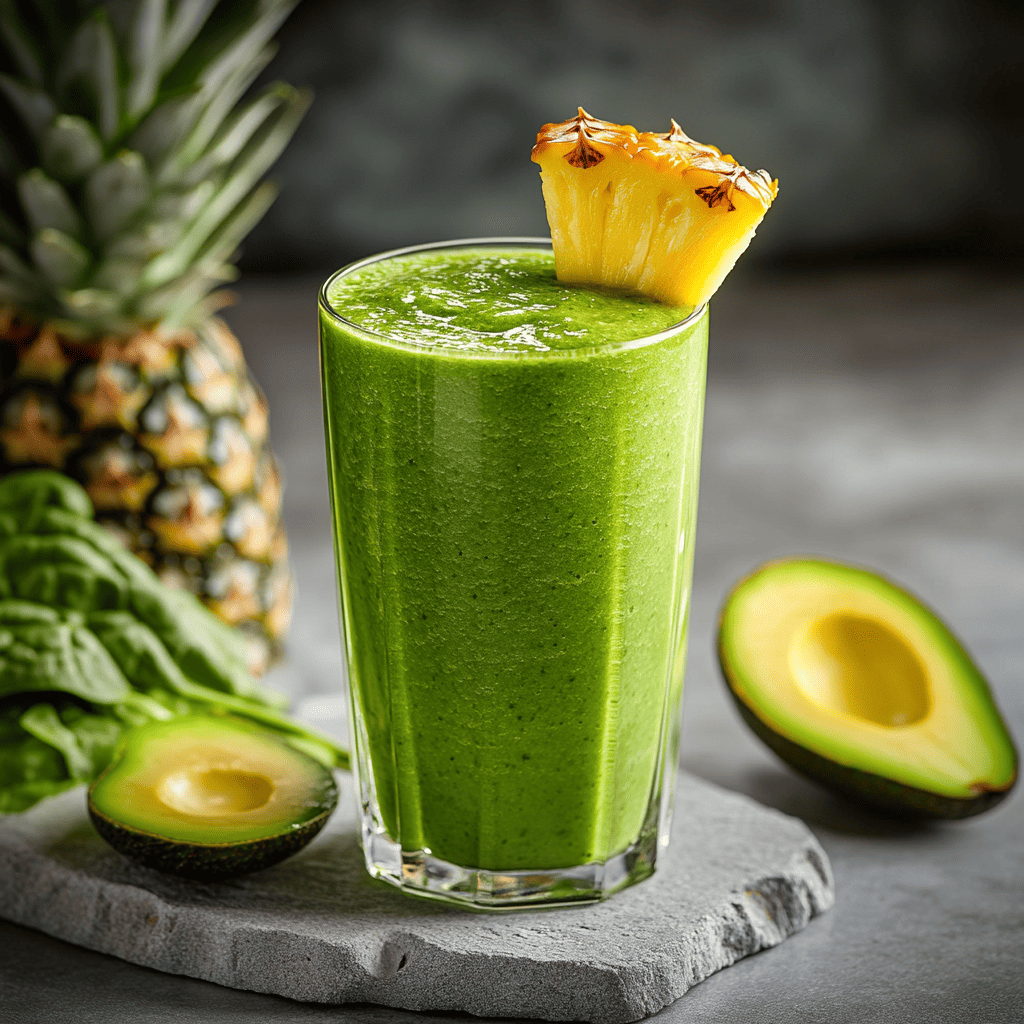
(168,435)
(656,214)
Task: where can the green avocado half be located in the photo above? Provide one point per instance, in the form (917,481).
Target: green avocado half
(210,797)
(859,686)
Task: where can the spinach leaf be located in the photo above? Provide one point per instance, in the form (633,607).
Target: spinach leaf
(29,492)
(62,655)
(43,722)
(97,734)
(29,770)
(207,651)
(206,648)
(62,571)
(137,650)
(15,614)
(86,740)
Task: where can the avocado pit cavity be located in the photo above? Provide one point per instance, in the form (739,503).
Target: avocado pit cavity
(847,664)
(214,792)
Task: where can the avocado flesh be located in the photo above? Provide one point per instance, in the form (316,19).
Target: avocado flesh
(858,685)
(210,796)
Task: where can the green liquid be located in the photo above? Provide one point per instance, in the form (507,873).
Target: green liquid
(509,301)
(515,509)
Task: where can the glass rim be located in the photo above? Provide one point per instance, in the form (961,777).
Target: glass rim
(523,241)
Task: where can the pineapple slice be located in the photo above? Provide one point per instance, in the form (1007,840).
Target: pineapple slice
(659,215)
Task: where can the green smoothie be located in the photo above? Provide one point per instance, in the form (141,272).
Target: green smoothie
(513,466)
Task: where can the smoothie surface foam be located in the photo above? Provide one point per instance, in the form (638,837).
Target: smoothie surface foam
(491,300)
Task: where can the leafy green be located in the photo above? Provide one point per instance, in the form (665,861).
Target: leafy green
(31,492)
(43,722)
(92,644)
(57,655)
(30,768)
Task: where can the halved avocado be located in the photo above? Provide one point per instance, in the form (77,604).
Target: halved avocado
(210,796)
(859,686)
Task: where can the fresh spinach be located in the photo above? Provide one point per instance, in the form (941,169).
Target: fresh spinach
(92,644)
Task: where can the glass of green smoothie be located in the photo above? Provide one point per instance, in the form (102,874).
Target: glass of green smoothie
(513,470)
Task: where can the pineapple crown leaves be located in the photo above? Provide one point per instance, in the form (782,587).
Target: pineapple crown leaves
(130,164)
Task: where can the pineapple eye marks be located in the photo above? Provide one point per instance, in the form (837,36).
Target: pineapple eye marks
(755,183)
(590,135)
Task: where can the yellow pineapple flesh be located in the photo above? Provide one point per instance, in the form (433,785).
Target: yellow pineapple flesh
(656,214)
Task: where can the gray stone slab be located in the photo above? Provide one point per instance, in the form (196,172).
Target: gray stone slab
(738,878)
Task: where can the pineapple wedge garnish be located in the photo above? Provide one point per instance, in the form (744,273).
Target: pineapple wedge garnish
(655,214)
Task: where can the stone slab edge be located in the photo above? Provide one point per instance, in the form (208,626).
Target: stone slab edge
(134,924)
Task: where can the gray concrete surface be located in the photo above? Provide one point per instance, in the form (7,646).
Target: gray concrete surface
(872,416)
(738,878)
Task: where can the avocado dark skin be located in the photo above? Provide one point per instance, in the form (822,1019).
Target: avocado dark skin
(209,797)
(872,791)
(204,862)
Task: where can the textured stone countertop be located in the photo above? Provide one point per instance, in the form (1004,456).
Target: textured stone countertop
(871,416)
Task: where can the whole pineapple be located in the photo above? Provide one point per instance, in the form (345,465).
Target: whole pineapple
(129,173)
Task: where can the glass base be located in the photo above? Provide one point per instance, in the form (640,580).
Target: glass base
(420,873)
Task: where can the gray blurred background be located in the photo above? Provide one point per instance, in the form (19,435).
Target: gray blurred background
(893,126)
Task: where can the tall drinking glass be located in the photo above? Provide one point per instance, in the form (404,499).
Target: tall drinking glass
(514,527)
